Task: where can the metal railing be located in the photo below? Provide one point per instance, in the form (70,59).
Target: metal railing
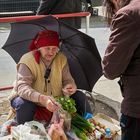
(24,18)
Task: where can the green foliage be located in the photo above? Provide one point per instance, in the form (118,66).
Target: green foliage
(67,104)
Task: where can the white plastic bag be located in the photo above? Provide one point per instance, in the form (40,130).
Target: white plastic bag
(30,131)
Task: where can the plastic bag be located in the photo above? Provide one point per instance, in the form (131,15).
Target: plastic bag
(72,136)
(30,131)
(6,127)
(67,120)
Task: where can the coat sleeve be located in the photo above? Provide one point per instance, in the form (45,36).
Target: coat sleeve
(67,77)
(24,84)
(123,42)
(46,7)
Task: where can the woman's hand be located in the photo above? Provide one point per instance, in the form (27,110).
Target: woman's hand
(52,105)
(49,102)
(69,89)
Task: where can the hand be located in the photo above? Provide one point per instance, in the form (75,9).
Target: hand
(49,102)
(52,105)
(56,130)
(69,89)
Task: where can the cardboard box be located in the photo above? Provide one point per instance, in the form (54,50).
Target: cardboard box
(109,122)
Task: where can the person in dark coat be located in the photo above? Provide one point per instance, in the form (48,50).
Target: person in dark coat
(61,7)
(122,59)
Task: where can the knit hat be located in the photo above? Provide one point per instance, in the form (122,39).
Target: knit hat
(43,39)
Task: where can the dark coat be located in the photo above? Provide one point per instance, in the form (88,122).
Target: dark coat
(122,56)
(60,7)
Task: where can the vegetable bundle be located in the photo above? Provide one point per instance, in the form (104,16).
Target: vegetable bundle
(81,126)
(67,103)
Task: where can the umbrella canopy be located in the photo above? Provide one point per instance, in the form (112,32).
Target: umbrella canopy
(80,49)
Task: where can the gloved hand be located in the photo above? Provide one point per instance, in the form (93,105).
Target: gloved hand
(49,102)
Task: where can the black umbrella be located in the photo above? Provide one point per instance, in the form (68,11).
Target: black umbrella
(80,49)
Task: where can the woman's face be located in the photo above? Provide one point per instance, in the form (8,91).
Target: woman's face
(48,52)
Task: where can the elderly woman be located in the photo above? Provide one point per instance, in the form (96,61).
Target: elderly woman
(42,74)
